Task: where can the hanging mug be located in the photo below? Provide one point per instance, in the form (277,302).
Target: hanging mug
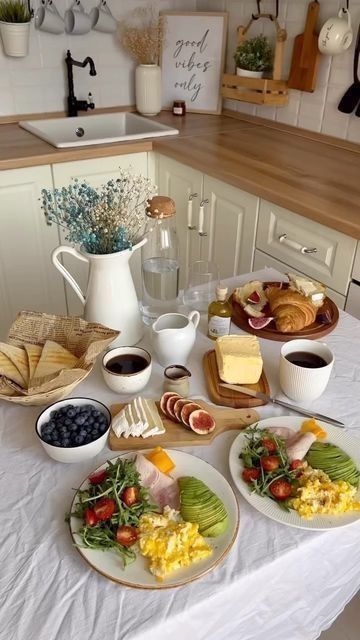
(102,19)
(47,18)
(336,34)
(77,21)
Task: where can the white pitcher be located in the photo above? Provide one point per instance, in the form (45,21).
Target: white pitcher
(173,336)
(110,294)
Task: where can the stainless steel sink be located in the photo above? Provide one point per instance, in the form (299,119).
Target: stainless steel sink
(96,129)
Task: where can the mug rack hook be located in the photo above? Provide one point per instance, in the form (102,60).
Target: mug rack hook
(270,15)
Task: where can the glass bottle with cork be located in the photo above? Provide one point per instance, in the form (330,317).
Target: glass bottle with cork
(219,314)
(160,260)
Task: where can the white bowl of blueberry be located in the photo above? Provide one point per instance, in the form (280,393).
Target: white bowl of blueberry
(74,430)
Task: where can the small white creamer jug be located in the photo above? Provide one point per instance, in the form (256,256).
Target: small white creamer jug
(173,336)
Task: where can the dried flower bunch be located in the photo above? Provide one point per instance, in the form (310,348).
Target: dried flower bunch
(101,220)
(142,35)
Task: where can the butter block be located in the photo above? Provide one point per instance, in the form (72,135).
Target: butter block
(238,359)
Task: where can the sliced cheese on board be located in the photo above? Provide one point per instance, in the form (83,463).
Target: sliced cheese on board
(140,418)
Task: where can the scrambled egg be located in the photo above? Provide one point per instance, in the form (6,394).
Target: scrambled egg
(318,495)
(170,543)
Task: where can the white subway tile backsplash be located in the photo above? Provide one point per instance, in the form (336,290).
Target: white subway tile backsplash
(314,111)
(38,82)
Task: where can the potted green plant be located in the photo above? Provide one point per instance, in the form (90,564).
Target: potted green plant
(254,57)
(15,19)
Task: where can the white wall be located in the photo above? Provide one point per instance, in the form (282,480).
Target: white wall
(315,111)
(37,83)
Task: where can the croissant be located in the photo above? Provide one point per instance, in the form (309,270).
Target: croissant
(292,310)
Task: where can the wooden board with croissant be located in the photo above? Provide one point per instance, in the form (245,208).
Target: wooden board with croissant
(282,312)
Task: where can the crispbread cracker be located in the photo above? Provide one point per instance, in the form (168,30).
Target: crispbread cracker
(54,358)
(14,364)
(33,352)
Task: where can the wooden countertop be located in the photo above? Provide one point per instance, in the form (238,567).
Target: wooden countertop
(308,174)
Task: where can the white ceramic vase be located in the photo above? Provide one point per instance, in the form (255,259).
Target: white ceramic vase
(148,89)
(110,296)
(15,38)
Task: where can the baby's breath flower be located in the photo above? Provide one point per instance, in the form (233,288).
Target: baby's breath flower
(101,220)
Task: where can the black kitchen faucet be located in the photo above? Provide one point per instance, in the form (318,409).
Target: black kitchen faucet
(75,105)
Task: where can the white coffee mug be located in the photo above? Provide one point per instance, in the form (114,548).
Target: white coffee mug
(77,21)
(102,18)
(304,383)
(47,18)
(336,34)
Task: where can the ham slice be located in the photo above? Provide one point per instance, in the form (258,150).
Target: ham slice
(282,432)
(163,489)
(298,446)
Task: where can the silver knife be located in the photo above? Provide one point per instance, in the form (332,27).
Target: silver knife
(292,407)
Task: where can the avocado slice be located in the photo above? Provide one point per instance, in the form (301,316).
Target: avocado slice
(200,505)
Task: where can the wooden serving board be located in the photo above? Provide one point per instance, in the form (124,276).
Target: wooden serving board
(306,54)
(177,435)
(312,332)
(226,397)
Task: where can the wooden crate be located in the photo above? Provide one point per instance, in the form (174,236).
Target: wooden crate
(254,90)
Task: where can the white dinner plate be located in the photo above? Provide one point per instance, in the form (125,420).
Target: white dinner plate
(269,507)
(137,574)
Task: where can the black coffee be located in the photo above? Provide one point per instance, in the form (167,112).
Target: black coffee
(306,359)
(126,363)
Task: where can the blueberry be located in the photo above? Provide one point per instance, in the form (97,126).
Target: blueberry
(83,432)
(66,442)
(80,420)
(71,413)
(68,422)
(95,413)
(103,428)
(56,443)
(79,440)
(73,427)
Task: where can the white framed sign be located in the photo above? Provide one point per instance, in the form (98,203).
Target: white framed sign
(192,59)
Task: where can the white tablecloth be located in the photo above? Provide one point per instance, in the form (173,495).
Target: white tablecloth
(278,583)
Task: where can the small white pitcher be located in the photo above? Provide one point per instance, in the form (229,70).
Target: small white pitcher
(173,336)
(110,296)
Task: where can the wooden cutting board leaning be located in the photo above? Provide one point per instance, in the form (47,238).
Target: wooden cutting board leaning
(306,54)
(177,435)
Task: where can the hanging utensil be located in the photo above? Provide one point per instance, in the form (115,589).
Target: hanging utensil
(306,55)
(351,97)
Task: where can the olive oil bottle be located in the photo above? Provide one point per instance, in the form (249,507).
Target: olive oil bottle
(219,314)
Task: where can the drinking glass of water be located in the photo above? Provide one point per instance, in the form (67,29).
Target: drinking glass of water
(200,291)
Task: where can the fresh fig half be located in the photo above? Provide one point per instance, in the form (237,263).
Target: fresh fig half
(170,403)
(201,422)
(164,398)
(324,317)
(259,323)
(186,411)
(254,298)
(179,404)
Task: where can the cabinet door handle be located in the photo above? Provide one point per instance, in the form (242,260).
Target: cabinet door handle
(190,210)
(202,233)
(296,245)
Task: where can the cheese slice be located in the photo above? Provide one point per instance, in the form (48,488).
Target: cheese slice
(139,418)
(155,424)
(238,359)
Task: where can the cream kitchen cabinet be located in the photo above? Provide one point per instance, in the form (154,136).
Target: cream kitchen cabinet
(230,217)
(27,278)
(96,172)
(180,183)
(306,246)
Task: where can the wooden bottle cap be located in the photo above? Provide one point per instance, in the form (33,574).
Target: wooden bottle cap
(160,207)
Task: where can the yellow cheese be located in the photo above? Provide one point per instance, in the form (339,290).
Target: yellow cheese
(238,359)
